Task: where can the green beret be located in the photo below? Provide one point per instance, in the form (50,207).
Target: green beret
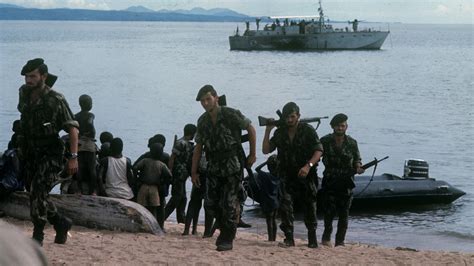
(337,119)
(32,65)
(289,108)
(204,90)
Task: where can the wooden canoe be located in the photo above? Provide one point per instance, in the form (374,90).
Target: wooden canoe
(89,211)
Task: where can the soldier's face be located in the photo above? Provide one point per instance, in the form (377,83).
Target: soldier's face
(340,129)
(292,119)
(34,79)
(209,102)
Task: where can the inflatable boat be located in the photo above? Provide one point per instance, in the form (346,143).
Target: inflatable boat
(415,187)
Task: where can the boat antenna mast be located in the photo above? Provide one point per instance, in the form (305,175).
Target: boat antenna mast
(321,16)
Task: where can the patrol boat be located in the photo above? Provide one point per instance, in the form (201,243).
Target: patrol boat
(309,33)
(414,188)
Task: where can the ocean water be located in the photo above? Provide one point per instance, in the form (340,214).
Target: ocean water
(412,99)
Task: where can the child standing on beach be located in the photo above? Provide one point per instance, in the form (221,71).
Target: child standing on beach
(269,184)
(116,173)
(151,173)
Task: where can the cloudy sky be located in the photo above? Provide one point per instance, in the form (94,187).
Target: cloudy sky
(407,11)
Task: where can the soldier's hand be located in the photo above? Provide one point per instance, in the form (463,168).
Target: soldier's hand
(251,160)
(360,170)
(304,171)
(72,166)
(195,180)
(270,125)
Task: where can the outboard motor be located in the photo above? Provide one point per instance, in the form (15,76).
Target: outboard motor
(416,169)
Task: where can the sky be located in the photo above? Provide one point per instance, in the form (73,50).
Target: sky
(406,11)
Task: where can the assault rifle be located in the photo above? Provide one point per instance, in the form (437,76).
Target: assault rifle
(345,181)
(263,121)
(222,100)
(373,162)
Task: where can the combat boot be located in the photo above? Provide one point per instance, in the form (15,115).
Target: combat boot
(243,224)
(225,240)
(38,234)
(289,241)
(222,237)
(312,242)
(225,246)
(62,226)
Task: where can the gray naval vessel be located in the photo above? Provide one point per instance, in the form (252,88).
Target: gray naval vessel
(306,33)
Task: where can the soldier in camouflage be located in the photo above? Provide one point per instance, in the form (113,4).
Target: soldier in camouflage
(341,159)
(299,150)
(44,113)
(179,165)
(219,132)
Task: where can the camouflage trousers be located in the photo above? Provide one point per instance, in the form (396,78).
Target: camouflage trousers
(336,204)
(304,193)
(222,201)
(42,170)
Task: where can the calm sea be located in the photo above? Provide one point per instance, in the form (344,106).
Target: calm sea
(412,99)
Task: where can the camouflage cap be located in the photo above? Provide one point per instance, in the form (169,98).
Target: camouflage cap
(32,65)
(204,90)
(337,119)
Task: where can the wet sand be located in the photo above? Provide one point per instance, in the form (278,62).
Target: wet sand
(100,247)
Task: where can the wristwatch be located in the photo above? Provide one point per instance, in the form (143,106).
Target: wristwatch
(70,155)
(310,164)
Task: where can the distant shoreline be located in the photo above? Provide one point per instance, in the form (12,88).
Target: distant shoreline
(64,14)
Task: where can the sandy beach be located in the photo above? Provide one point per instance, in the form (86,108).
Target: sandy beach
(100,247)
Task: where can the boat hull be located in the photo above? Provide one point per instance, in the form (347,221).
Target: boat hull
(387,191)
(320,41)
(391,190)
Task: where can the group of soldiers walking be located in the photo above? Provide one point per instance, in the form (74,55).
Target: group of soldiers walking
(216,165)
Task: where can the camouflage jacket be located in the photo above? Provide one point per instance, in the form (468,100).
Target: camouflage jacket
(42,121)
(339,160)
(294,155)
(222,142)
(183,150)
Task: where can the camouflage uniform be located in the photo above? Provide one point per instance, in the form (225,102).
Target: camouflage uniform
(43,150)
(293,156)
(222,145)
(183,150)
(340,164)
